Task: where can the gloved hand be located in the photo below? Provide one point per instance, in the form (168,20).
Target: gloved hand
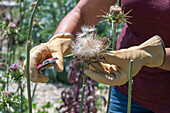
(58,46)
(114,67)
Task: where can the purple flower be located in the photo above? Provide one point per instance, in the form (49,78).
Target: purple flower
(14,67)
(11,25)
(6,19)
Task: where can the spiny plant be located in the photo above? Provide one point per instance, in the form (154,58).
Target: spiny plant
(115,16)
(88,48)
(14,101)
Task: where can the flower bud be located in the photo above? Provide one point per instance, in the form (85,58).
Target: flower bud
(115,9)
(33,3)
(11,25)
(16,72)
(14,67)
(36,19)
(6,19)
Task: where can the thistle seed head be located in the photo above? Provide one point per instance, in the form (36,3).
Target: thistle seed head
(88,47)
(86,31)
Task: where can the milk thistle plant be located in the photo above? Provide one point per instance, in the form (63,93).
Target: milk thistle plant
(17,75)
(89,48)
(28,55)
(116,16)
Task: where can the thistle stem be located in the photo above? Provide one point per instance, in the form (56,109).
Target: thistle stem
(114,37)
(33,94)
(108,104)
(9,60)
(20,85)
(113,48)
(130,86)
(2,39)
(28,55)
(82,95)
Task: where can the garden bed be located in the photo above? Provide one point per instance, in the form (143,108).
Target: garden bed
(47,92)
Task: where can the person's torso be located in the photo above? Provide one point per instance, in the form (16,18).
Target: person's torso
(149,17)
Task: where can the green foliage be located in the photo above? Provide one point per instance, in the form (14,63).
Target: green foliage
(2,84)
(44,107)
(47,18)
(10,102)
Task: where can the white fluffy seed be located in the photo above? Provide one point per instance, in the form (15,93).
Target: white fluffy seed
(87,46)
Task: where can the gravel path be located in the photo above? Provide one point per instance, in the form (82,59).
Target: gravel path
(44,93)
(50,93)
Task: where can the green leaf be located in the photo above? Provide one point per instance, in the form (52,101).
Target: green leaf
(59,100)
(34,105)
(47,105)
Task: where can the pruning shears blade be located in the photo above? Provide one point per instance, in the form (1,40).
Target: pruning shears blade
(46,63)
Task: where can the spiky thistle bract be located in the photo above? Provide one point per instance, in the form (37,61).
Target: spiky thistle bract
(116,15)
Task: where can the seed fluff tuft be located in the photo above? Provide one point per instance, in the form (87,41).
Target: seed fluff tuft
(88,47)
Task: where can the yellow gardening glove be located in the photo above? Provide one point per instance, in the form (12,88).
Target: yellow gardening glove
(113,69)
(58,46)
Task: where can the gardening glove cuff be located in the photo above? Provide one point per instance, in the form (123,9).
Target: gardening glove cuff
(58,46)
(155,50)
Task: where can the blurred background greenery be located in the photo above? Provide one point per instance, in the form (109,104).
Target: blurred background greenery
(47,18)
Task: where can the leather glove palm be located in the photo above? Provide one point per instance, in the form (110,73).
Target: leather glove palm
(58,46)
(115,64)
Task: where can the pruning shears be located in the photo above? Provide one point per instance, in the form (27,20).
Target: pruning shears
(46,63)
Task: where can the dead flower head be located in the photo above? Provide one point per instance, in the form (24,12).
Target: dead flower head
(88,47)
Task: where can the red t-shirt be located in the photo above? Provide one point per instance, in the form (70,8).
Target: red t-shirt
(151,86)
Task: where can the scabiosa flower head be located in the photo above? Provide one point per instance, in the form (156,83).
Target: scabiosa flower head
(11,25)
(87,47)
(14,67)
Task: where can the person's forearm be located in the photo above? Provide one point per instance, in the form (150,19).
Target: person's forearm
(71,22)
(85,13)
(166,65)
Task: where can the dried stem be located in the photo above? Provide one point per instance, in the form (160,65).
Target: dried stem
(28,56)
